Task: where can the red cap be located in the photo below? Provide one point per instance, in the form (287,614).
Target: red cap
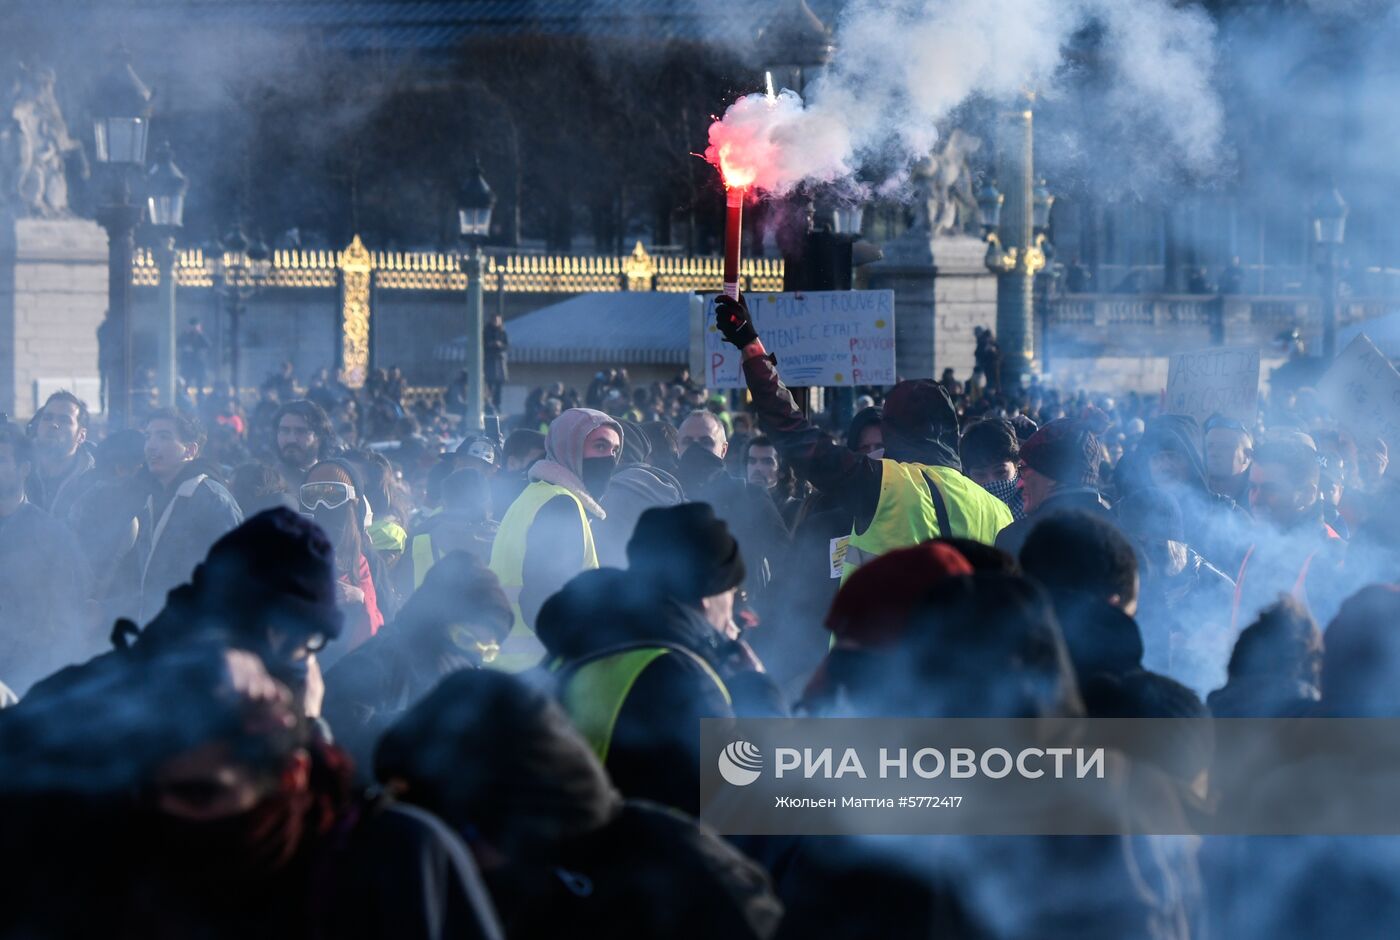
(874,605)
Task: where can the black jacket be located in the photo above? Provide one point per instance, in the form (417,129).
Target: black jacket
(655,747)
(1066,499)
(372,685)
(657,871)
(573,858)
(748,511)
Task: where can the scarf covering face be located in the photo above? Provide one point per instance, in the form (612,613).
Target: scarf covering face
(563,462)
(1009,492)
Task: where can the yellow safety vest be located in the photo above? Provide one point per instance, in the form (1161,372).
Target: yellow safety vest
(594,690)
(906,514)
(521,649)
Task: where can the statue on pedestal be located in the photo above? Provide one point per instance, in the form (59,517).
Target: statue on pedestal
(35,146)
(947,204)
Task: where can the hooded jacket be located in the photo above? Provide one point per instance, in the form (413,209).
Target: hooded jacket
(1215,525)
(633,490)
(554,540)
(354,870)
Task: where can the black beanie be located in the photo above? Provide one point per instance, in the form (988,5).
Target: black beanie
(1064,450)
(685,552)
(277,559)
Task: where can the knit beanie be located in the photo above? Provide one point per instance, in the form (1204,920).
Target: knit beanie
(686,552)
(277,560)
(1065,451)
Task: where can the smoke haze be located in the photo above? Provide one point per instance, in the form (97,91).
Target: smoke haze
(903,68)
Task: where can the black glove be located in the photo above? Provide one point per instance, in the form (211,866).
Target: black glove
(733,320)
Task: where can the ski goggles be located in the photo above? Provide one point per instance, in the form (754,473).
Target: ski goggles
(330,495)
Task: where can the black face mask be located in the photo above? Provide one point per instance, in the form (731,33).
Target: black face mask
(595,473)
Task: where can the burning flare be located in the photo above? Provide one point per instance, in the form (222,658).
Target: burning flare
(769,143)
(736,175)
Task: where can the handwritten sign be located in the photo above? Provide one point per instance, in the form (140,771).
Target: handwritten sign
(1362,389)
(1222,380)
(821,338)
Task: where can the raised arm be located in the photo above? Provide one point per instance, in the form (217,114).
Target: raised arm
(852,478)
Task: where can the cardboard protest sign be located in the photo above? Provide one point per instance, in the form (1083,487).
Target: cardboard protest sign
(1220,379)
(1362,390)
(821,338)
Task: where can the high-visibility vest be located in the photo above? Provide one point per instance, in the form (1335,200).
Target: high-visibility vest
(521,649)
(594,690)
(907,514)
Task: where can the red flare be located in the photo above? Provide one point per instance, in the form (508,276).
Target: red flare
(733,239)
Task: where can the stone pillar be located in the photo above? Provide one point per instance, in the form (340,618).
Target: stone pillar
(53,295)
(942,290)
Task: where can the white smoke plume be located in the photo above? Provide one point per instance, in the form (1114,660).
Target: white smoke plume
(904,66)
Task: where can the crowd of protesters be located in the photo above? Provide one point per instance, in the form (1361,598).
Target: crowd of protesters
(324,665)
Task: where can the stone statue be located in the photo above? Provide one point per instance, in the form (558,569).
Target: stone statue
(947,203)
(35,146)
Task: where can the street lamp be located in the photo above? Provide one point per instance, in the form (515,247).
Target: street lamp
(794,46)
(1015,249)
(1329,211)
(165,202)
(846,220)
(121,120)
(475,201)
(243,263)
(123,115)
